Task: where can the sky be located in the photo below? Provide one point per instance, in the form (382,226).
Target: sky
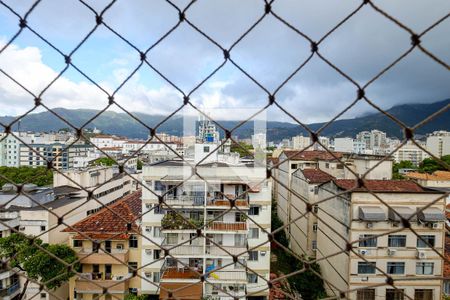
(361,47)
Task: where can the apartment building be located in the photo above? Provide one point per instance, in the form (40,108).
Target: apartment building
(410,152)
(382,247)
(337,164)
(438,143)
(36,215)
(107,184)
(225,230)
(110,264)
(61,155)
(303,231)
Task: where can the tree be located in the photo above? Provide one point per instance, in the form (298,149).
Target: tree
(40,175)
(104,161)
(135,297)
(38,264)
(430,165)
(404,164)
(139,164)
(242,148)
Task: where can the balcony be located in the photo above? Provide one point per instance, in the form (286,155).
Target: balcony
(181,273)
(227,226)
(93,283)
(235,276)
(186,250)
(113,256)
(214,250)
(177,222)
(185,200)
(225,203)
(11,291)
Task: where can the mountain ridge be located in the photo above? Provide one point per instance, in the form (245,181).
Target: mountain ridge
(123,124)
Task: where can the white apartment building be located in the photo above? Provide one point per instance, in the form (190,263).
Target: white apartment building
(410,152)
(438,143)
(205,204)
(344,144)
(215,230)
(381,248)
(300,142)
(62,155)
(259,141)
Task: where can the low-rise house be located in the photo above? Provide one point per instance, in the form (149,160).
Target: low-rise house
(108,244)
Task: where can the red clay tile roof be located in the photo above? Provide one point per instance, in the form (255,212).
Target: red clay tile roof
(447,256)
(108,223)
(312,155)
(405,186)
(316,175)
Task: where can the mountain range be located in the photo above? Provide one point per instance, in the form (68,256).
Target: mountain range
(123,124)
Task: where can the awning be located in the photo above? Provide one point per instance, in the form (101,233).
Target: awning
(404,212)
(371,213)
(431,214)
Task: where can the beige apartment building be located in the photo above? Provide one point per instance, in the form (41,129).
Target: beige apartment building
(110,264)
(383,248)
(337,164)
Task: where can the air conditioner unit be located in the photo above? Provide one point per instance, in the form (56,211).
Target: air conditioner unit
(421,255)
(435,225)
(119,246)
(148,251)
(391,252)
(118,277)
(22,228)
(365,278)
(263,253)
(364,252)
(369,225)
(148,229)
(395,224)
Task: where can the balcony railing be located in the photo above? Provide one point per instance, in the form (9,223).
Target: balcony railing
(187,250)
(177,222)
(94,282)
(185,200)
(112,256)
(181,273)
(233,250)
(226,203)
(229,276)
(227,226)
(10,290)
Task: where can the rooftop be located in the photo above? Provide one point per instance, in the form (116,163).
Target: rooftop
(312,155)
(112,220)
(437,176)
(316,175)
(390,186)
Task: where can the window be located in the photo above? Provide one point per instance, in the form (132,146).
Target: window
(397,241)
(156,276)
(314,245)
(316,192)
(394,294)
(172,238)
(43,228)
(133,242)
(132,266)
(254,210)
(252,255)
(366,241)
(422,294)
(365,294)
(424,268)
(156,231)
(77,243)
(447,287)
(158,209)
(315,226)
(426,241)
(315,208)
(366,267)
(253,233)
(205,149)
(293,166)
(252,278)
(395,267)
(43,296)
(157,254)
